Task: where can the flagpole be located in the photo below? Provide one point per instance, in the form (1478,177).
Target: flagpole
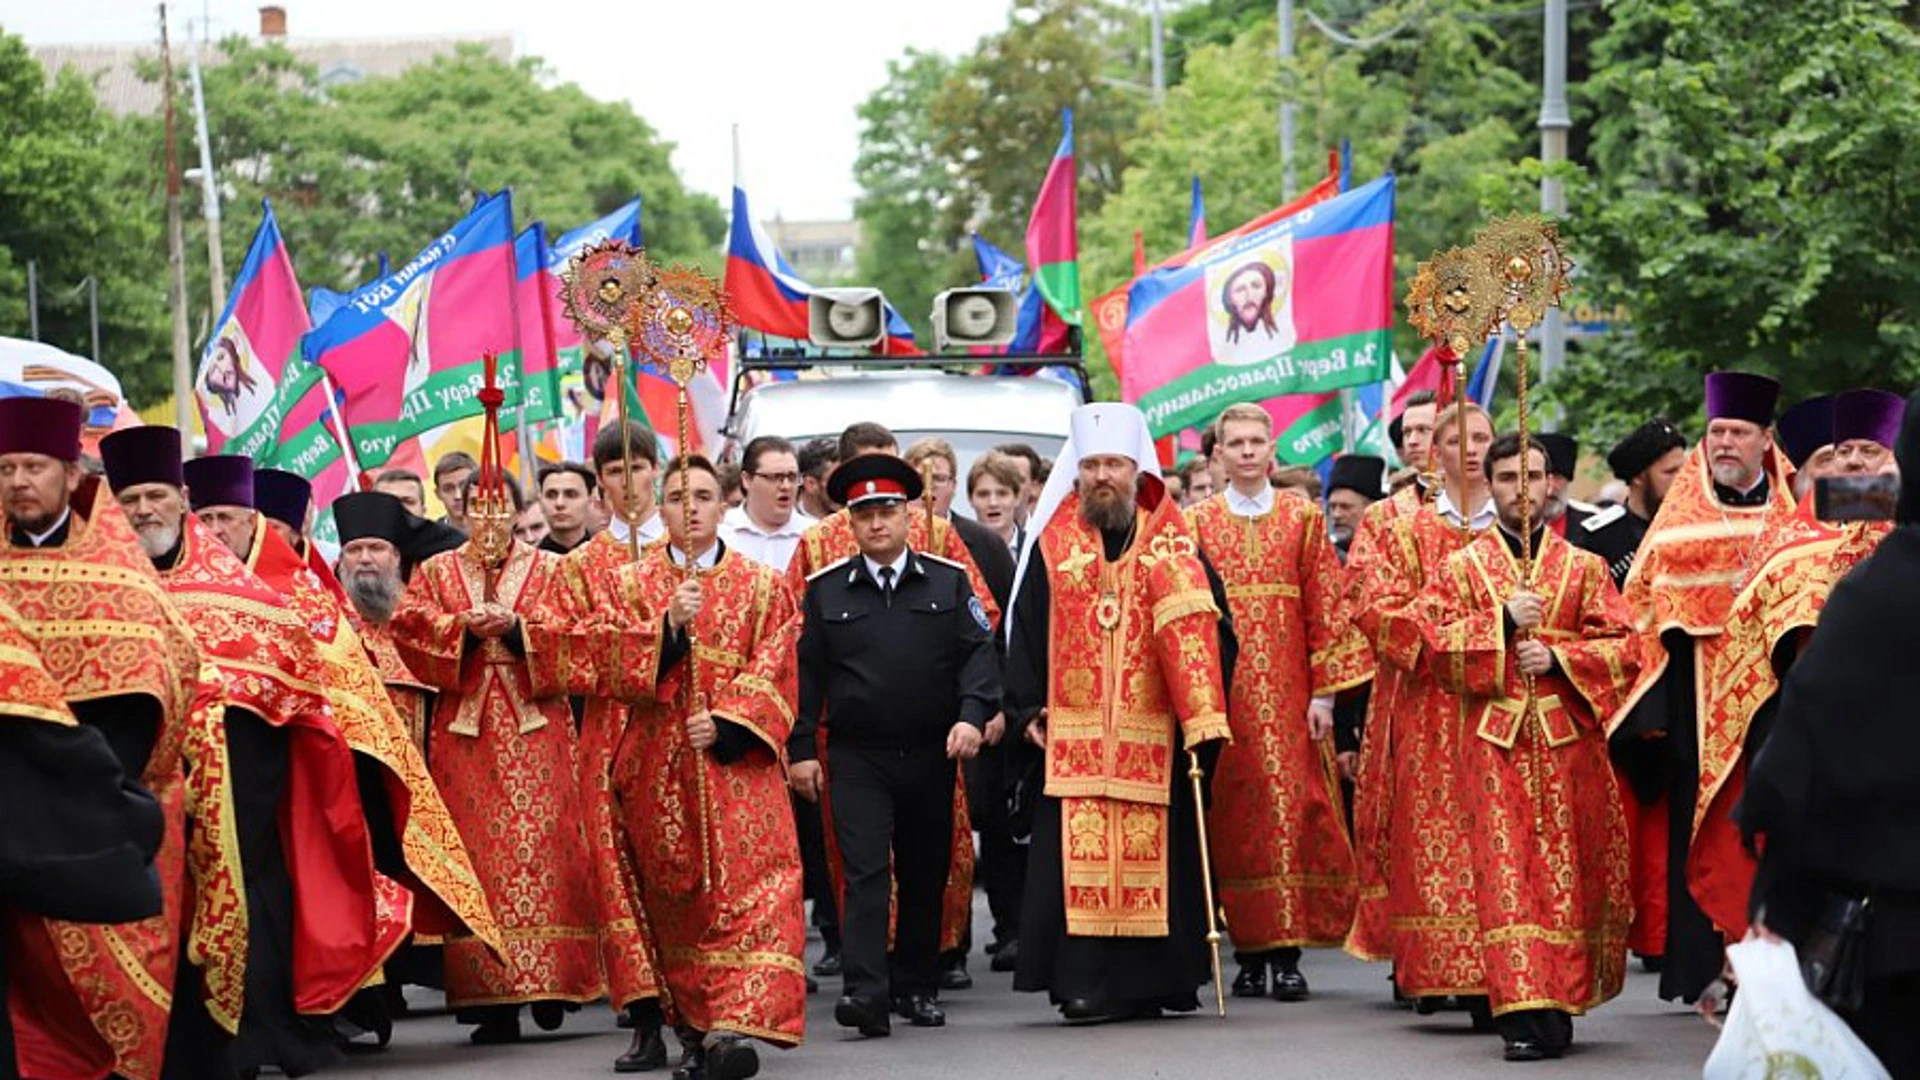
(176,252)
(519,350)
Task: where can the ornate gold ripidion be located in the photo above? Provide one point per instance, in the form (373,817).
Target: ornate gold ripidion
(1455,301)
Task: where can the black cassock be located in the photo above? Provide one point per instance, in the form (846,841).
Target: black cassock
(1115,973)
(80,835)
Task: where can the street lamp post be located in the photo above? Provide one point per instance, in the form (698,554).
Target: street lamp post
(1555,120)
(1286,102)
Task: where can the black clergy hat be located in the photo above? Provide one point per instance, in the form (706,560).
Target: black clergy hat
(1805,428)
(873,478)
(376,515)
(1563,453)
(219,480)
(283,496)
(1646,444)
(1362,473)
(143,455)
(1873,415)
(41,425)
(1742,395)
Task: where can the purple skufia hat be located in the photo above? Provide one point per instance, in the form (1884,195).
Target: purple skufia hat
(1805,428)
(1739,395)
(142,455)
(1873,415)
(220,480)
(41,425)
(283,496)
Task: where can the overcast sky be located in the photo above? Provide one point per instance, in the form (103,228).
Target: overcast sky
(791,74)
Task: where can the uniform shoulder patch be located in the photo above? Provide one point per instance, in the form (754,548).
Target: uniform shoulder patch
(1603,518)
(942,560)
(979,613)
(831,567)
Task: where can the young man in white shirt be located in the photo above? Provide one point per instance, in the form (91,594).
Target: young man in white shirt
(767,526)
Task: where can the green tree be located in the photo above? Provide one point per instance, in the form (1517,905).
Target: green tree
(69,203)
(904,186)
(998,116)
(1752,203)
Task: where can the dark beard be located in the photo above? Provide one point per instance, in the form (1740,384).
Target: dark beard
(373,596)
(1107,515)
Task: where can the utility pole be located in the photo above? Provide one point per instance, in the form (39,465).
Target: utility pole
(209,185)
(93,314)
(33,300)
(1286,101)
(1555,121)
(176,250)
(1159,56)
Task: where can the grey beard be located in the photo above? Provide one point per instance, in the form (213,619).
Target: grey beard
(1107,516)
(374,596)
(1733,476)
(159,540)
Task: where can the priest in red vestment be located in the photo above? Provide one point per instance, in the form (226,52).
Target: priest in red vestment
(1416,899)
(1535,642)
(1281,852)
(1116,666)
(701,786)
(127,666)
(1703,547)
(504,754)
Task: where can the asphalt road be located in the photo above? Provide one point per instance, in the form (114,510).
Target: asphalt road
(1348,1029)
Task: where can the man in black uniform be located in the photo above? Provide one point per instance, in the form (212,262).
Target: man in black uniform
(1647,461)
(896,647)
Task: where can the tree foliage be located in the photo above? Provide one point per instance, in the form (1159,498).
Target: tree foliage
(1751,200)
(73,202)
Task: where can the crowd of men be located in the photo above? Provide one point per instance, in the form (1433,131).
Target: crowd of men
(611,749)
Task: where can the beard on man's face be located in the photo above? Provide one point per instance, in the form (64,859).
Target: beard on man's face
(1106,507)
(157,540)
(374,594)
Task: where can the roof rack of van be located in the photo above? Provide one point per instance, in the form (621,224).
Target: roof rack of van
(794,359)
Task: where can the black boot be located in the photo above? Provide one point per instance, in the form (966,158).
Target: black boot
(548,1015)
(693,1057)
(1288,983)
(953,972)
(1252,980)
(649,1049)
(498,1026)
(1007,956)
(730,1057)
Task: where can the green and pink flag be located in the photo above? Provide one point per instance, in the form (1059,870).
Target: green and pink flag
(1284,314)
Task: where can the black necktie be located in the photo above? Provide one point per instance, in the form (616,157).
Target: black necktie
(886,584)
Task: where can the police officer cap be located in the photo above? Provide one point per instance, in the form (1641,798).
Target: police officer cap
(873,478)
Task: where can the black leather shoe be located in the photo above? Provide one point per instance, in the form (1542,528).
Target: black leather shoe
(920,1010)
(1252,980)
(548,1015)
(866,1017)
(731,1058)
(1427,1005)
(1007,956)
(497,1031)
(1085,1011)
(693,1060)
(813,985)
(622,1021)
(829,966)
(955,976)
(648,1052)
(1289,985)
(1524,1050)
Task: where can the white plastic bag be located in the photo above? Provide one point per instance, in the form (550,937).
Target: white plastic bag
(1777,1028)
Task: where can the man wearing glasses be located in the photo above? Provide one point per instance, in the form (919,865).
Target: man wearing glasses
(767,527)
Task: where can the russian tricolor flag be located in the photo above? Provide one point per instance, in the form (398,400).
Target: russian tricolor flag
(769,297)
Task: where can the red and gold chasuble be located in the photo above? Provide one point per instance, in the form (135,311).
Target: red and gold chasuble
(444,893)
(1777,610)
(1549,841)
(1416,895)
(588,587)
(825,543)
(715,847)
(411,698)
(505,759)
(1133,663)
(1281,852)
(1698,555)
(87,1000)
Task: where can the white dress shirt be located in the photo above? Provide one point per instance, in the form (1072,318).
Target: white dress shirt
(650,530)
(899,567)
(1250,506)
(773,547)
(1481,520)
